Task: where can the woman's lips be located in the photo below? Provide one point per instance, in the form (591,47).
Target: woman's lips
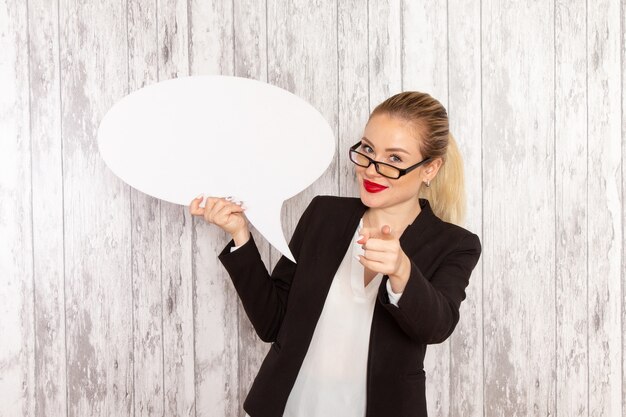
(372,187)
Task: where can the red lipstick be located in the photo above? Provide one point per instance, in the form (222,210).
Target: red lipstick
(372,187)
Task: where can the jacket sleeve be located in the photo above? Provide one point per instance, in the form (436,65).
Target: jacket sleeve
(264,296)
(428,310)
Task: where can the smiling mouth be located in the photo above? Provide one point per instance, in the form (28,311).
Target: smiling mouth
(372,187)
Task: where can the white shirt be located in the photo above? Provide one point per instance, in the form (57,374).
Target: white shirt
(332,379)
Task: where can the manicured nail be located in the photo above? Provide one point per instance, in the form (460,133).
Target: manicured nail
(357,257)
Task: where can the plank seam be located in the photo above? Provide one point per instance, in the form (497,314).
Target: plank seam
(402,38)
(482,204)
(587,185)
(194,237)
(67,391)
(556,315)
(32,220)
(369,100)
(451,341)
(621,24)
(158,76)
(238,305)
(189,40)
(130,202)
(338,168)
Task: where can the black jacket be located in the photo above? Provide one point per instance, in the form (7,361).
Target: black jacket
(284,307)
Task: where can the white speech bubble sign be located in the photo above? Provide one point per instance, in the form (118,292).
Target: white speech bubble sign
(218,136)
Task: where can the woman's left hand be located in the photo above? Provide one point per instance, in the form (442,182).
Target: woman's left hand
(383,254)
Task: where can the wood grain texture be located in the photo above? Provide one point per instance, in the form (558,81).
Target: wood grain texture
(215,300)
(114,303)
(518,167)
(353,87)
(425,48)
(17,349)
(96,214)
(604,228)
(176,238)
(571,208)
(47,191)
(623,199)
(384,50)
(425,68)
(148,356)
(464,110)
(211,37)
(302,59)
(250,55)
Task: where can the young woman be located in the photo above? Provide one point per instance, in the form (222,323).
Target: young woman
(377,277)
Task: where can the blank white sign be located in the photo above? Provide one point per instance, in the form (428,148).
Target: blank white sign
(218,136)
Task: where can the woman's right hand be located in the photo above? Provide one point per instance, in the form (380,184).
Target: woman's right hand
(224,213)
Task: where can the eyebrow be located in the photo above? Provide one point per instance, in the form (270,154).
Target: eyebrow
(388,149)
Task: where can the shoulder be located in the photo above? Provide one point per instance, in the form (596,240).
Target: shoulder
(457,237)
(330,202)
(449,236)
(334,208)
(325,211)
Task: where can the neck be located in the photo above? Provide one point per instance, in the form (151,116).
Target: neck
(397,217)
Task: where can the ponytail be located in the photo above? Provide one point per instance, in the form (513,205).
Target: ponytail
(446,193)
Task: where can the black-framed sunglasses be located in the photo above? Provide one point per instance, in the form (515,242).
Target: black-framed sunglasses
(384,169)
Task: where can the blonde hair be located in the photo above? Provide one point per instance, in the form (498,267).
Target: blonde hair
(429,118)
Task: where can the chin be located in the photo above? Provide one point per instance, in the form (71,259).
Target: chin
(372,200)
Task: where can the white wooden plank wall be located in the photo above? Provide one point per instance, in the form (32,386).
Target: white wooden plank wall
(113,303)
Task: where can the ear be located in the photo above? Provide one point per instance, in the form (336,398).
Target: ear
(431,168)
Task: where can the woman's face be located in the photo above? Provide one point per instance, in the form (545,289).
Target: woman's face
(392,140)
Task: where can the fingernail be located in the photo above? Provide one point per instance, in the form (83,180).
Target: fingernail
(360,237)
(200,196)
(357,257)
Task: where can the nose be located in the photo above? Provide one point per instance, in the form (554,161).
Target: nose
(371,170)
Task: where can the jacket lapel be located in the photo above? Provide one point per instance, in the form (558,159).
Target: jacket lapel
(412,237)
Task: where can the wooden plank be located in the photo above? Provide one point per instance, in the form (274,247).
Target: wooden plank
(353,110)
(176,237)
(302,58)
(250,61)
(464,111)
(425,48)
(215,299)
(623,200)
(96,214)
(571,208)
(425,68)
(145,233)
(211,37)
(385,50)
(519,220)
(47,184)
(604,231)
(250,41)
(17,350)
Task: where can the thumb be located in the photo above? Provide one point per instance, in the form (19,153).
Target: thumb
(364,235)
